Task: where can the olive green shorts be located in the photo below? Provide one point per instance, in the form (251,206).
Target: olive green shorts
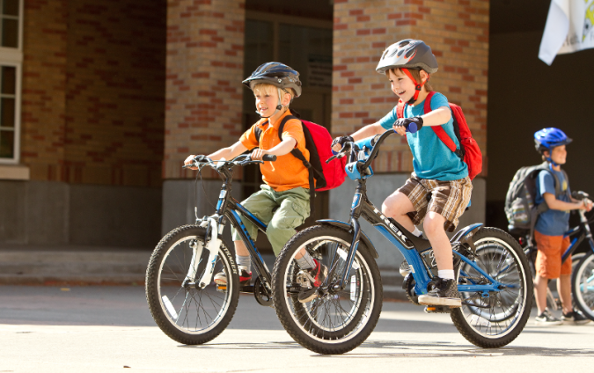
(282,212)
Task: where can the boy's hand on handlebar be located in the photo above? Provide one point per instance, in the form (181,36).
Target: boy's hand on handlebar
(190,160)
(257,154)
(339,142)
(401,125)
(587,204)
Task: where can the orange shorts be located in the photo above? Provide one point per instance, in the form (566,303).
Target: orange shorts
(548,259)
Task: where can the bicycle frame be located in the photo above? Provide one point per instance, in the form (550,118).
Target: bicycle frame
(409,245)
(585,233)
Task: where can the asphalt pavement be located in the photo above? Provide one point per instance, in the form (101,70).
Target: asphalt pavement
(109,328)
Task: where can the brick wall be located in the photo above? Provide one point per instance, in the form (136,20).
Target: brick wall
(44,88)
(205,41)
(93,91)
(456,30)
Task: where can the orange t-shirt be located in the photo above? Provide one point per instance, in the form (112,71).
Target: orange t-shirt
(287,172)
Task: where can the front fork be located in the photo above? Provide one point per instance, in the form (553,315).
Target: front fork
(212,246)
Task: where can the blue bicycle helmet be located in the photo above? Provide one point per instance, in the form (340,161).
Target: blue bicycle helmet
(548,138)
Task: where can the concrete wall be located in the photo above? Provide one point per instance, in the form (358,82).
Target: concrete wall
(378,188)
(56,213)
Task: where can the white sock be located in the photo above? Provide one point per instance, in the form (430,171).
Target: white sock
(417,232)
(244,262)
(306,262)
(447,274)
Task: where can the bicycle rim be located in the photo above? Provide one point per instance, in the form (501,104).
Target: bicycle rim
(583,286)
(495,314)
(189,309)
(336,316)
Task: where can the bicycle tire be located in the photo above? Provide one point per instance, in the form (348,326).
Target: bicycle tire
(189,315)
(339,320)
(582,285)
(497,319)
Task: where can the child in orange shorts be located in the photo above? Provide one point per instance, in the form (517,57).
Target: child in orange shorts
(551,226)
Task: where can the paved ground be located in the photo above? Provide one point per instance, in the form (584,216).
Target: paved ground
(104,329)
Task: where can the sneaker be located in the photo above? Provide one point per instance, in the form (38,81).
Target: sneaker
(575,317)
(443,293)
(547,318)
(245,278)
(310,280)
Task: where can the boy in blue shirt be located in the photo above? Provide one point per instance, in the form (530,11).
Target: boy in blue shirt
(551,226)
(439,189)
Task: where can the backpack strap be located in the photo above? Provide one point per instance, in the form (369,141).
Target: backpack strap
(297,153)
(439,131)
(258,133)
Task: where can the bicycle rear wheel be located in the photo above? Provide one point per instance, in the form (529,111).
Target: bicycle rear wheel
(494,318)
(582,284)
(338,320)
(186,312)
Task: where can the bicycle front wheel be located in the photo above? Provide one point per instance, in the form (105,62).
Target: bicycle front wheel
(495,317)
(342,316)
(582,285)
(187,312)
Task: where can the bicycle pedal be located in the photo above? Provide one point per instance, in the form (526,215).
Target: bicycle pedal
(437,309)
(221,288)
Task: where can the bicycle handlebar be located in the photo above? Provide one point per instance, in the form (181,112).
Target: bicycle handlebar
(240,160)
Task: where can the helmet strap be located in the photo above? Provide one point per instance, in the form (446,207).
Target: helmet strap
(418,86)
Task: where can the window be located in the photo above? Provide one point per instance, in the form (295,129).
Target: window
(11,59)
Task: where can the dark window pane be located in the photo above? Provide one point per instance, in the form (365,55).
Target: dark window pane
(8,80)
(7,116)
(6,144)
(309,51)
(10,33)
(11,7)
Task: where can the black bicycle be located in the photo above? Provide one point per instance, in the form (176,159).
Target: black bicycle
(183,299)
(582,279)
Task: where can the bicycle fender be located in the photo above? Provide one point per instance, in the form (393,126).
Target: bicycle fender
(347,227)
(462,233)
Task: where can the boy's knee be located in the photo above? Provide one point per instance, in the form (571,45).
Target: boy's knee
(391,206)
(433,224)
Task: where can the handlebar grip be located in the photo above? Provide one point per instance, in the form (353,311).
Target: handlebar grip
(269,157)
(412,127)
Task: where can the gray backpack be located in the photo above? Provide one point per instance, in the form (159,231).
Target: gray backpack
(520,206)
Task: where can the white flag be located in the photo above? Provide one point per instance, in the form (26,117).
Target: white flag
(568,28)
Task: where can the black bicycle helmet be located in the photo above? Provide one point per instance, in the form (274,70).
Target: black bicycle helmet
(277,74)
(407,53)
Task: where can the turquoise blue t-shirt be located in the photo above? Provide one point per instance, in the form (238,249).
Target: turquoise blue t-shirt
(432,159)
(552,222)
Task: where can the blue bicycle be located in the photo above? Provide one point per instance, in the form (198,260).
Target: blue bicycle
(582,266)
(493,274)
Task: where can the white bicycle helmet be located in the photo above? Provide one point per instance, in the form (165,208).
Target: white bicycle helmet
(407,53)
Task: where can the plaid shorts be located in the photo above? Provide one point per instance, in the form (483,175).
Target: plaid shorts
(447,198)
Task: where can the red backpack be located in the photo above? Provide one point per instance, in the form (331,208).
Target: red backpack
(319,143)
(469,150)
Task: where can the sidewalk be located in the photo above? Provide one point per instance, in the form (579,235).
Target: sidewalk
(70,264)
(96,265)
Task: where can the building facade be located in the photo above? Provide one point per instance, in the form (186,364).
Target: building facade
(102,101)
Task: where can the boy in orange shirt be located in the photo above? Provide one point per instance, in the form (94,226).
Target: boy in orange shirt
(283,201)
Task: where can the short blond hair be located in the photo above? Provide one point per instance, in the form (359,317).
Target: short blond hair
(416,73)
(268,88)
